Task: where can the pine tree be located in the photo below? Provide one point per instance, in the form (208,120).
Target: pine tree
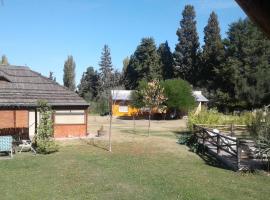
(245,74)
(187,49)
(4,60)
(144,64)
(89,84)
(213,54)
(166,60)
(69,73)
(106,81)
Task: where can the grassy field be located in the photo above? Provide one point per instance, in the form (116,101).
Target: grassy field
(139,167)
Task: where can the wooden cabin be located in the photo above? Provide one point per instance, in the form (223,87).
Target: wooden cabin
(21,89)
(121,103)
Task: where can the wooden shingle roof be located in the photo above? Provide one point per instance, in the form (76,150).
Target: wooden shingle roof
(22,87)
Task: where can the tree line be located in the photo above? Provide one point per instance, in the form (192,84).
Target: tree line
(233,72)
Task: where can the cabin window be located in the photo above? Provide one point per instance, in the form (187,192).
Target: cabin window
(69,117)
(123,107)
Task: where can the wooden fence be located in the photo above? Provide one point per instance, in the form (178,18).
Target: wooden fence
(230,129)
(221,143)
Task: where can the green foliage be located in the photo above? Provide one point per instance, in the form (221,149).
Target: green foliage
(108,79)
(89,84)
(187,50)
(4,60)
(189,140)
(213,117)
(106,70)
(47,146)
(44,138)
(213,54)
(69,73)
(144,64)
(243,78)
(179,95)
(153,95)
(166,61)
(259,128)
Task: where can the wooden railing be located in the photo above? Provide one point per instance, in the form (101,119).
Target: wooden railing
(229,129)
(230,145)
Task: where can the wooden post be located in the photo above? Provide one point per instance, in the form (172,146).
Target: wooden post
(218,144)
(203,138)
(238,150)
(36,120)
(232,130)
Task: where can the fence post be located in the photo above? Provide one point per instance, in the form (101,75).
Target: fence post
(218,144)
(238,156)
(232,130)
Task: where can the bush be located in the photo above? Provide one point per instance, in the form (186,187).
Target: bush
(213,117)
(190,140)
(179,94)
(259,128)
(46,146)
(44,141)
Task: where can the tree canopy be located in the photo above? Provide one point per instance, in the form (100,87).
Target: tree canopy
(144,64)
(69,73)
(179,94)
(187,48)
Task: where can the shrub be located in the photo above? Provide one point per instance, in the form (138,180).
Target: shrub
(44,141)
(179,94)
(190,140)
(213,117)
(46,146)
(259,128)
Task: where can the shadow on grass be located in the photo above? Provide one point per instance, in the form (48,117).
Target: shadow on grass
(211,160)
(94,144)
(166,134)
(199,149)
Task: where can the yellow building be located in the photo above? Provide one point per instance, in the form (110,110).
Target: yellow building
(120,103)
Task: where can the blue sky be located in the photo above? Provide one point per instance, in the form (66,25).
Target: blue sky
(41,34)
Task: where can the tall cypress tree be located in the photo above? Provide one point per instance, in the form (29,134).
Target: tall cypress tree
(69,73)
(166,60)
(144,64)
(187,49)
(213,54)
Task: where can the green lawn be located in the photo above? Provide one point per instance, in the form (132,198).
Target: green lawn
(138,168)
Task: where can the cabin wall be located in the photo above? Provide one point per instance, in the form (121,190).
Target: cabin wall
(70,123)
(123,109)
(15,123)
(21,123)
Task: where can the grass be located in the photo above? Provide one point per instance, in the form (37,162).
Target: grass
(140,168)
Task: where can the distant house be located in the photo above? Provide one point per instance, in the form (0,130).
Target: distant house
(200,100)
(21,88)
(121,103)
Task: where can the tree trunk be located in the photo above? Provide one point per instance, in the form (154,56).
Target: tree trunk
(149,120)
